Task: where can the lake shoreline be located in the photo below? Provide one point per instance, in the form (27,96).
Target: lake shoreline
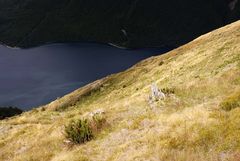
(86,42)
(36,76)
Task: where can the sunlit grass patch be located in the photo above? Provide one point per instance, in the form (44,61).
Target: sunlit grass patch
(220,135)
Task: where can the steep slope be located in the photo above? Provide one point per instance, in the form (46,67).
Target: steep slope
(129,23)
(192,123)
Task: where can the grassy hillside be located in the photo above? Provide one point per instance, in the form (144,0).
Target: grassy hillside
(198,120)
(27,23)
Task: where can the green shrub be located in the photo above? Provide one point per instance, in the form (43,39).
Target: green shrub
(84,130)
(231,102)
(79,131)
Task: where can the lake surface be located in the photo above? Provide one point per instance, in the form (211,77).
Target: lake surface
(37,76)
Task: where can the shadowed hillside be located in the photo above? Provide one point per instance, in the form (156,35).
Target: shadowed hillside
(197,120)
(129,23)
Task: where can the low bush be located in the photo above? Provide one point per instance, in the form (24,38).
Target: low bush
(83,130)
(231,102)
(79,131)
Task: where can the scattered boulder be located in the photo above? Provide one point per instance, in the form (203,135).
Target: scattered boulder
(156,93)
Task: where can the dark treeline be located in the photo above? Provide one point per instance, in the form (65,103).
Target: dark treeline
(6,112)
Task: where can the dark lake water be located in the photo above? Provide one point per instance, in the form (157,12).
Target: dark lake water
(37,76)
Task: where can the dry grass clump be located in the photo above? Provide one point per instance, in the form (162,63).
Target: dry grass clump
(97,123)
(231,102)
(168,90)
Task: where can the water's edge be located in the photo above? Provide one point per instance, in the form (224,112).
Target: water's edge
(38,75)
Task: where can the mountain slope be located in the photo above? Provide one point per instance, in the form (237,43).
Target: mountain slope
(129,23)
(192,123)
